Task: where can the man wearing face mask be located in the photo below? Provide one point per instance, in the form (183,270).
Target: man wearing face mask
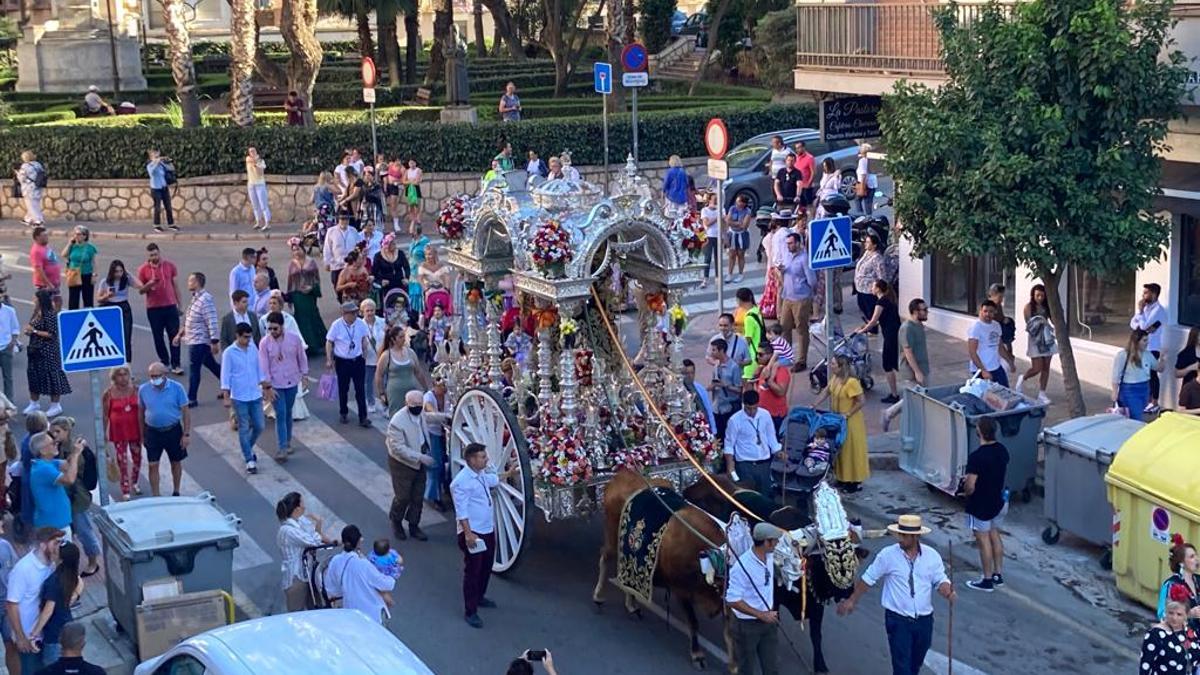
(408,457)
(166,424)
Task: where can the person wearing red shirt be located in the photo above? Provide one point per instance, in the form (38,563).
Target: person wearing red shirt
(806,165)
(771,382)
(47,265)
(160,285)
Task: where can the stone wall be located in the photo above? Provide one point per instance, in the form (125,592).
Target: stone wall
(223,199)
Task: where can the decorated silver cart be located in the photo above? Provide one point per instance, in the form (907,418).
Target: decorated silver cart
(553,270)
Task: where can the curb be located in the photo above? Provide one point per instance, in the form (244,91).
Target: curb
(156,236)
(883,461)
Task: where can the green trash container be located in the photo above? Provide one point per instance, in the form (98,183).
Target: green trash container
(188,538)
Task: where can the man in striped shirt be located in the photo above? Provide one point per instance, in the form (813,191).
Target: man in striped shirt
(201,335)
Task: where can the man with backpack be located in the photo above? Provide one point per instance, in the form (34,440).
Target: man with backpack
(32,180)
(162,177)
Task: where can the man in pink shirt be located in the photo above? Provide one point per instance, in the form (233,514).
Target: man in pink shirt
(805,164)
(47,266)
(282,360)
(161,288)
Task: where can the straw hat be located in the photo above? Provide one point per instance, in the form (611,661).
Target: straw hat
(908,524)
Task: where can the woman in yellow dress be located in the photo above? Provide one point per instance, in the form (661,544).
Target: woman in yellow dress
(845,392)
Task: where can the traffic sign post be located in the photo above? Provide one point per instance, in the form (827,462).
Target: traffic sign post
(369,77)
(602,75)
(91,340)
(634,60)
(716,142)
(829,249)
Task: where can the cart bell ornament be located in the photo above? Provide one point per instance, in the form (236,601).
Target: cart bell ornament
(451,222)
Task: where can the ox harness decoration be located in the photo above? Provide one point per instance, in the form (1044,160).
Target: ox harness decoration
(643,523)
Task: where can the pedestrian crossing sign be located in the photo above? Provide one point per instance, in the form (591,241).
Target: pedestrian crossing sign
(829,243)
(91,338)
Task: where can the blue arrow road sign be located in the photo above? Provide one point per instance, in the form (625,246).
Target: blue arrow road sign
(829,243)
(602,75)
(91,338)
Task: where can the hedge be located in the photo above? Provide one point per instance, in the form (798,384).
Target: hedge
(75,152)
(266,118)
(40,117)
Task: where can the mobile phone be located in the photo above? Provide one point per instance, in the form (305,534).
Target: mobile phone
(535,654)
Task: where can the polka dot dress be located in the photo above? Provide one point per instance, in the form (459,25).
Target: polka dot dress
(1167,653)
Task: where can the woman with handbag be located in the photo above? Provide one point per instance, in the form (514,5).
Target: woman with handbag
(304,289)
(864,193)
(412,193)
(298,530)
(1131,375)
(114,292)
(119,405)
(80,255)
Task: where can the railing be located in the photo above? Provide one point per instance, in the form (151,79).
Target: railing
(879,38)
(673,52)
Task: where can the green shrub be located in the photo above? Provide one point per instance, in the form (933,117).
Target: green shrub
(774,37)
(21,119)
(656,23)
(89,152)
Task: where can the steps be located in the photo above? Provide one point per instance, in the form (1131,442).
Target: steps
(685,67)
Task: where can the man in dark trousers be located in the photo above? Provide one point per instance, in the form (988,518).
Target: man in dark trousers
(472,493)
(986,503)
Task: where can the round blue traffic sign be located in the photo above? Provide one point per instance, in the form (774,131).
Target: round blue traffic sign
(634,58)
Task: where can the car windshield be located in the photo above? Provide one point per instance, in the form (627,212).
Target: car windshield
(747,156)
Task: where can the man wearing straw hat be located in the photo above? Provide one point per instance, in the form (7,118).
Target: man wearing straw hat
(910,571)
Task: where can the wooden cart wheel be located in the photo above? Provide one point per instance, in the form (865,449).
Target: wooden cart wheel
(482,416)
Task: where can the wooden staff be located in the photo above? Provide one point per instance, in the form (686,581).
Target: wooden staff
(950,621)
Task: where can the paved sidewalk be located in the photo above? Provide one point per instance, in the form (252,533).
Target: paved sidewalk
(61,229)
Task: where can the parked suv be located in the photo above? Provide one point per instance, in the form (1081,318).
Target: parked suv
(748,164)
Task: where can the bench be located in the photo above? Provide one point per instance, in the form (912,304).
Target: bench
(269,99)
(423,96)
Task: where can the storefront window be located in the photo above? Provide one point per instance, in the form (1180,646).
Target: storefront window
(1188,298)
(960,285)
(1099,306)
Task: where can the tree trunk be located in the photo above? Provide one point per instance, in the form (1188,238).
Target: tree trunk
(412,46)
(714,31)
(443,23)
(299,30)
(562,73)
(366,45)
(389,48)
(183,70)
(497,40)
(506,27)
(241,67)
(616,40)
(1066,354)
(480,44)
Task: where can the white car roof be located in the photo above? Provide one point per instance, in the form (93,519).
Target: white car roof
(343,641)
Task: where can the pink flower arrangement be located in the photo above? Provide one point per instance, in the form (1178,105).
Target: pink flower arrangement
(558,455)
(450,222)
(697,437)
(550,246)
(635,457)
(694,235)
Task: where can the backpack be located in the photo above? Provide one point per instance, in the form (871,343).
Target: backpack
(169,174)
(40,176)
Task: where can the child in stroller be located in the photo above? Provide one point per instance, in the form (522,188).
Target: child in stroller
(812,439)
(817,452)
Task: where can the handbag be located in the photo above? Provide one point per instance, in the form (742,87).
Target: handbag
(1117,408)
(411,196)
(300,408)
(74,277)
(860,189)
(327,387)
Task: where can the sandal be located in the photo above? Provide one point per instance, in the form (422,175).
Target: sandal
(90,573)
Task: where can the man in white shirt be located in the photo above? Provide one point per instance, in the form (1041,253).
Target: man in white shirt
(241,276)
(243,387)
(751,596)
(10,332)
(409,454)
(1151,317)
(735,345)
(471,491)
(340,170)
(750,442)
(353,578)
(262,293)
(345,349)
(338,243)
(909,571)
(24,593)
(983,345)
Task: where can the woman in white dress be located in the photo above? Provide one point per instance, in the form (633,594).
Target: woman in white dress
(275,304)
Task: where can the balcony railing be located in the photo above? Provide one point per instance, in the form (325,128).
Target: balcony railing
(877,38)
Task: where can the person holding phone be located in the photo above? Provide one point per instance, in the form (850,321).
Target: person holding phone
(472,494)
(524,664)
(1150,317)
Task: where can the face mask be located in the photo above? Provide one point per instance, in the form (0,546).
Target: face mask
(414,409)
(158,381)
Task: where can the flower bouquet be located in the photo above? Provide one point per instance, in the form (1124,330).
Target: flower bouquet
(550,249)
(583,367)
(698,438)
(634,458)
(451,222)
(694,235)
(558,456)
(567,329)
(678,319)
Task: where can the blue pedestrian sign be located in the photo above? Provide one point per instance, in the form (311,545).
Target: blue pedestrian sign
(92,338)
(602,74)
(829,243)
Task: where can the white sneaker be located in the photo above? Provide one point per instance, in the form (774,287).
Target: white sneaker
(54,411)
(252,467)
(884,420)
(371,408)
(738,278)
(704,283)
(33,407)
(1041,398)
(1020,381)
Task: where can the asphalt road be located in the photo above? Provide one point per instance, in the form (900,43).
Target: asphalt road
(546,600)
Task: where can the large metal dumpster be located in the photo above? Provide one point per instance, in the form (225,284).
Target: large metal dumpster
(936,437)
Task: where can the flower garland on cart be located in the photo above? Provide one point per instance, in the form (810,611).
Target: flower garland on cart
(697,438)
(559,457)
(550,249)
(451,222)
(692,235)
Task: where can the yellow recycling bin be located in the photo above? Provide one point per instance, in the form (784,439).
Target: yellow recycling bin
(1154,488)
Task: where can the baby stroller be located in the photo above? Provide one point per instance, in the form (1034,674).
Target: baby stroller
(438,297)
(856,348)
(800,429)
(394,303)
(315,560)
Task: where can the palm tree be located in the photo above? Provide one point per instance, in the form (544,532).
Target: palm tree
(506,27)
(360,12)
(243,47)
(177,17)
(477,11)
(443,32)
(412,39)
(386,13)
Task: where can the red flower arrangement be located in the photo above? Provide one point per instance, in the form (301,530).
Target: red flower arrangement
(697,437)
(634,458)
(583,367)
(694,234)
(550,247)
(558,455)
(451,221)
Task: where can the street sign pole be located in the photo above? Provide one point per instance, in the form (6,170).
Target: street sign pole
(101,439)
(635,126)
(828,324)
(720,246)
(829,250)
(369,78)
(716,142)
(374,141)
(634,60)
(604,117)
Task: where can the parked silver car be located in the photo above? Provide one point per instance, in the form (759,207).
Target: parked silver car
(749,161)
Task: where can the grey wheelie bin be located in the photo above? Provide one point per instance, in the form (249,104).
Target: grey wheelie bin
(937,433)
(187,538)
(1078,454)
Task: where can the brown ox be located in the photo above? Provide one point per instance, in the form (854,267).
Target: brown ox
(679,554)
